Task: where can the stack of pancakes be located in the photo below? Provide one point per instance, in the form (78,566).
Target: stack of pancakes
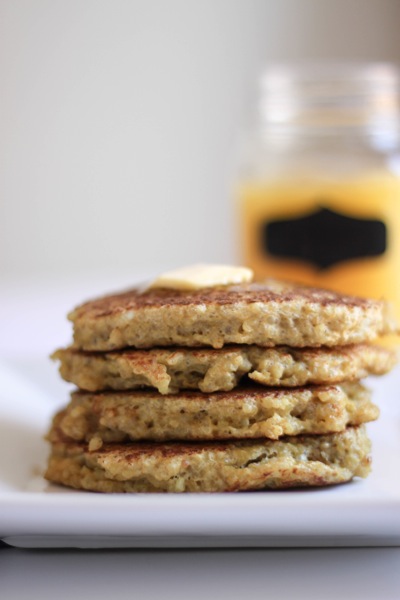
(228,388)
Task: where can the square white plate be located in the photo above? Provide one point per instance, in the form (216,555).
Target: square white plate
(36,514)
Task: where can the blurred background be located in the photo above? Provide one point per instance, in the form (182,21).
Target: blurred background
(120,122)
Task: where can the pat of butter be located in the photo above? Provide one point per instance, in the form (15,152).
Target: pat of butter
(202,276)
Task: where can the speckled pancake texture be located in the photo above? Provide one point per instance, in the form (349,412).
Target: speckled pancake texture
(252,386)
(172,369)
(244,413)
(265,314)
(213,467)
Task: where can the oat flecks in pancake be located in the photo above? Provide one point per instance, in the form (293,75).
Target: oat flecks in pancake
(213,467)
(210,370)
(243,413)
(266,314)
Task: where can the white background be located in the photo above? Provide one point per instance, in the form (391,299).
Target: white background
(119,120)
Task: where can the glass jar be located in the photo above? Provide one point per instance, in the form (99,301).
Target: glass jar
(319,186)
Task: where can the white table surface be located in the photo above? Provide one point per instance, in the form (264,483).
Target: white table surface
(32,323)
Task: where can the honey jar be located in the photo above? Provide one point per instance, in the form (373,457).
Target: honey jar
(319,185)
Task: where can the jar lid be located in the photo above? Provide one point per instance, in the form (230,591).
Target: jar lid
(330,96)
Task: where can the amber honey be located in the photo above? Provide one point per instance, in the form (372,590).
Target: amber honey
(372,199)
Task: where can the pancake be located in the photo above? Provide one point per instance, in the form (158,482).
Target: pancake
(243,413)
(170,370)
(212,467)
(266,314)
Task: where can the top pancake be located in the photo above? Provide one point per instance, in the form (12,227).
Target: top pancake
(266,313)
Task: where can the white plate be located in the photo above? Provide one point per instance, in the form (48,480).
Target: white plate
(36,514)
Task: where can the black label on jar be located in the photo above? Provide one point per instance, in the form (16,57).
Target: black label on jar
(324,238)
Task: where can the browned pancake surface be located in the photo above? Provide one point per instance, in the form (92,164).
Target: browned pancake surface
(213,467)
(172,369)
(253,412)
(266,314)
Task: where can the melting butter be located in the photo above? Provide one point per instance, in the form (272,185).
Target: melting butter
(200,276)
